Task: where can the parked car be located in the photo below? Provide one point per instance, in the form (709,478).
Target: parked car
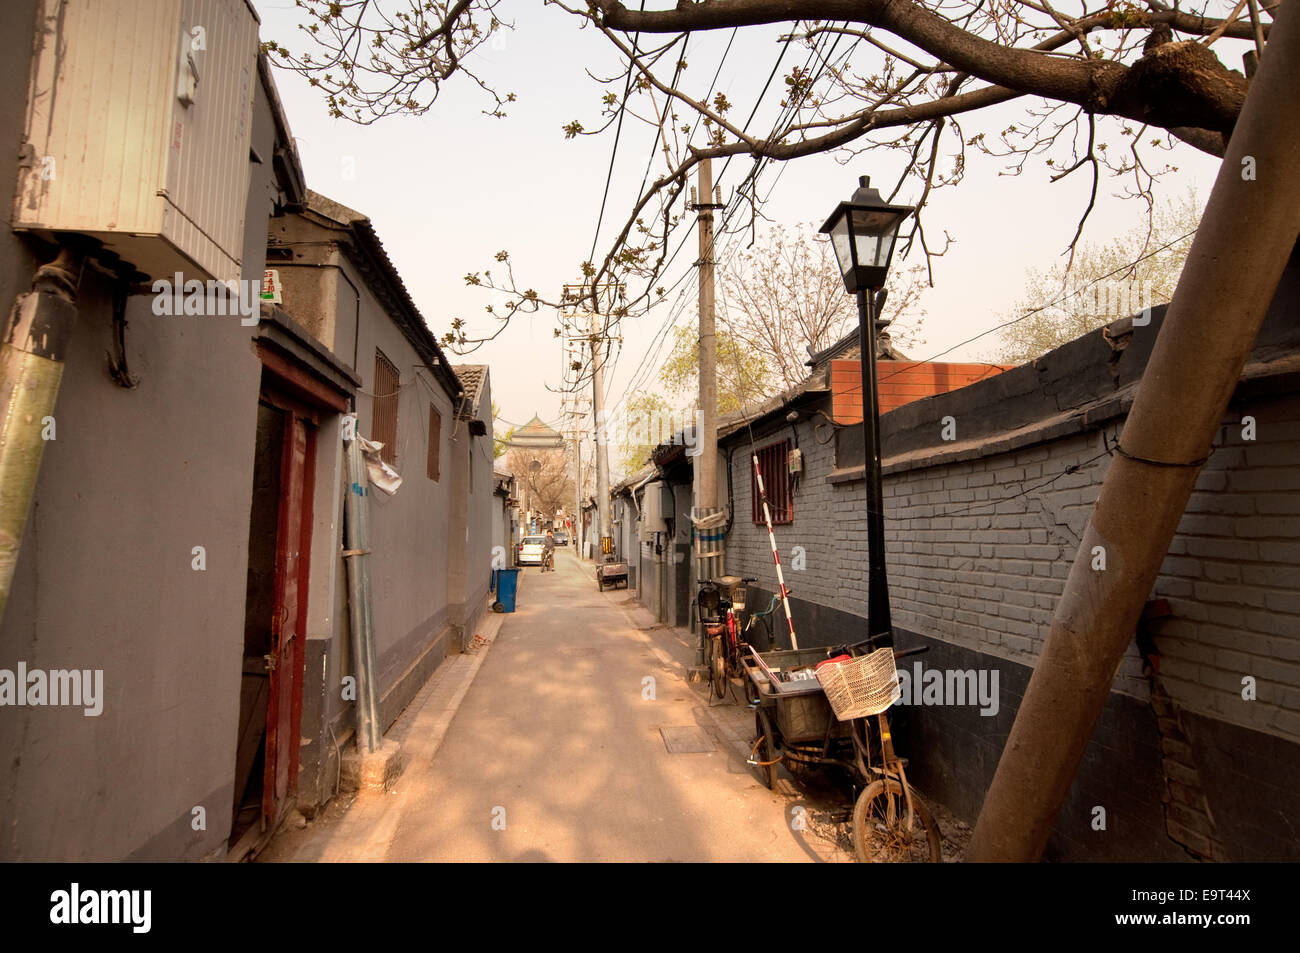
(530,551)
(561,538)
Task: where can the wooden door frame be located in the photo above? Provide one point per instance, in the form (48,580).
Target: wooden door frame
(295,393)
(276,747)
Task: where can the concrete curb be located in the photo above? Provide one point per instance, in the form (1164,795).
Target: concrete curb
(371,822)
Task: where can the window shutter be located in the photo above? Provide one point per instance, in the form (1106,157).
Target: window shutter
(435,442)
(383,424)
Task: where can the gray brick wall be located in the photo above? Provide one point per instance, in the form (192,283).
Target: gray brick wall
(978,553)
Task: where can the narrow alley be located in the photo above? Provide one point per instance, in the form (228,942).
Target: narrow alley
(557,752)
(458,432)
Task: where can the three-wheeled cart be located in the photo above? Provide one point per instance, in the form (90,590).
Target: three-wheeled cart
(795,723)
(611,574)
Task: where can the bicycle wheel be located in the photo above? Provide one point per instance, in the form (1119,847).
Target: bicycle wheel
(718,667)
(880,830)
(764,750)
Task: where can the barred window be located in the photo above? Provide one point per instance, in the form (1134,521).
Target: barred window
(435,443)
(383,424)
(774,464)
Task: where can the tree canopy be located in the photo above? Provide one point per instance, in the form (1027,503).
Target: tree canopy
(1108,281)
(1106,88)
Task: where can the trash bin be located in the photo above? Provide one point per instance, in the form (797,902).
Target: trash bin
(507,586)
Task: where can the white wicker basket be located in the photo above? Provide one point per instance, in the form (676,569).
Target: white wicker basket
(862,686)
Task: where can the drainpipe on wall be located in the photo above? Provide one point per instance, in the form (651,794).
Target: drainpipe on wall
(659,578)
(360,606)
(31,370)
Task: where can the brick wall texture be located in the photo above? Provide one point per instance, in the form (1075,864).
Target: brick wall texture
(978,553)
(900,382)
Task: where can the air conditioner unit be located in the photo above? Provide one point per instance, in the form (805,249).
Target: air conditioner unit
(138,129)
(656,508)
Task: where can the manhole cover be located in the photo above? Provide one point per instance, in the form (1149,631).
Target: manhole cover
(686,740)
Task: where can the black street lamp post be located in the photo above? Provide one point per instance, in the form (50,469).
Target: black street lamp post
(863,231)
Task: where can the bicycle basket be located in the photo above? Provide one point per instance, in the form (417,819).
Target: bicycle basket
(862,686)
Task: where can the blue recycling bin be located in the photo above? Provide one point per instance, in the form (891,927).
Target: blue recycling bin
(507,586)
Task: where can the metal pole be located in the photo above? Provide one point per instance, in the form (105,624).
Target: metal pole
(878,620)
(360,606)
(1231,275)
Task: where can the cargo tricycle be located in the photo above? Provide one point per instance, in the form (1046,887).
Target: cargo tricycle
(816,707)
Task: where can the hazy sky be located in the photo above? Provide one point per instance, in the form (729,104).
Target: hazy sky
(448,190)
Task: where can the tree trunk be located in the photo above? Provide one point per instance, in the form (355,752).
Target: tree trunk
(1237,258)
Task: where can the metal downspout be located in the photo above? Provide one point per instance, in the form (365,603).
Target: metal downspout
(360,605)
(31,370)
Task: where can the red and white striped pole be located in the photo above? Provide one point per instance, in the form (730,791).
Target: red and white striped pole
(776,557)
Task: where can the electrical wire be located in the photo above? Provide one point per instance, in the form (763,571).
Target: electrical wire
(609,176)
(1042,307)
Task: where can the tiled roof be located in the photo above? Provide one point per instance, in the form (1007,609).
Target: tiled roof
(471,378)
(535,435)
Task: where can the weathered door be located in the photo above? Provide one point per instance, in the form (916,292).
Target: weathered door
(288,616)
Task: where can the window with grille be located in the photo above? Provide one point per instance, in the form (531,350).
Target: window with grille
(774,464)
(383,424)
(435,442)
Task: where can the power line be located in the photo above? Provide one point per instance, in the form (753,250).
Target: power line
(690,277)
(609,175)
(675,312)
(1043,307)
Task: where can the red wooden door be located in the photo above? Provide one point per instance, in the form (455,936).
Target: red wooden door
(292,541)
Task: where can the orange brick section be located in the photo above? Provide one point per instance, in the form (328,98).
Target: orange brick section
(899,383)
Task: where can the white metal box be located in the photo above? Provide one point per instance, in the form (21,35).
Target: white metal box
(656,507)
(139,121)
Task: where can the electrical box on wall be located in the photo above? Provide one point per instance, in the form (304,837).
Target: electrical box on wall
(796,462)
(656,509)
(138,129)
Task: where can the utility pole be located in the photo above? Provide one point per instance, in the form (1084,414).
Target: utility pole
(575,531)
(598,350)
(611,295)
(1231,275)
(706,515)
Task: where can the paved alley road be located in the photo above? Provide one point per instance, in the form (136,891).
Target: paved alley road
(555,754)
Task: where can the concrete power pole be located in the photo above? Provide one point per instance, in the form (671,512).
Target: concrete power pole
(1230,277)
(598,349)
(707,514)
(576,532)
(612,294)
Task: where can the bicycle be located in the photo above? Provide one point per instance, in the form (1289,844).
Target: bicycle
(886,815)
(548,560)
(809,721)
(759,621)
(723,642)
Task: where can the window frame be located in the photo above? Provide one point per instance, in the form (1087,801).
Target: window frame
(385,402)
(433,465)
(774,463)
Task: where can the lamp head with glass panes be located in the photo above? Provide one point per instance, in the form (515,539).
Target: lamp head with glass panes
(863,231)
